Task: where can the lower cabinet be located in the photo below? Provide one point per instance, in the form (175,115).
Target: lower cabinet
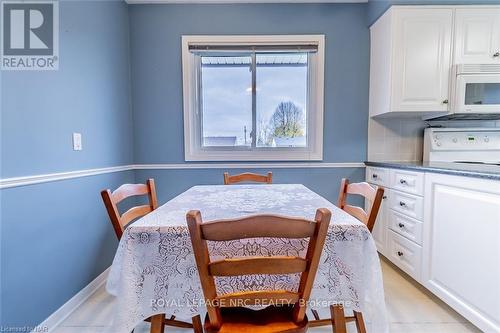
(461,246)
(398,229)
(444,233)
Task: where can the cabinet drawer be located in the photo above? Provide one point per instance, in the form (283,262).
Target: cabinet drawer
(405,254)
(407,204)
(406,226)
(378,176)
(407,181)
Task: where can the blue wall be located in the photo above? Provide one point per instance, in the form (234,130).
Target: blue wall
(155,37)
(324,181)
(56,237)
(378,7)
(90,94)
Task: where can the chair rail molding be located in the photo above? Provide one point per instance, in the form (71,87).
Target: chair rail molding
(52,177)
(58,176)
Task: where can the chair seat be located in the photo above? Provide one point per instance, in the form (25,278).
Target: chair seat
(270,319)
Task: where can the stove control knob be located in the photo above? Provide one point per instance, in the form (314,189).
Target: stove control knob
(455,140)
(438,143)
(486,139)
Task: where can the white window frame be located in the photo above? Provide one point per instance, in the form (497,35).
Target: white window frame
(192,143)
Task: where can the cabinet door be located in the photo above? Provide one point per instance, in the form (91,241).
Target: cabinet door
(379,232)
(461,246)
(422,59)
(477,36)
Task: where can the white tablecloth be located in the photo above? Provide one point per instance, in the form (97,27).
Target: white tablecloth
(154,270)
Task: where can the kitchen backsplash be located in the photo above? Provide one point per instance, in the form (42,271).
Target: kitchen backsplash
(401,139)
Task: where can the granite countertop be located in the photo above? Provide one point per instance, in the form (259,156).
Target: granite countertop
(449,168)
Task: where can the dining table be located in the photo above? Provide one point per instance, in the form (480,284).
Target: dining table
(154,269)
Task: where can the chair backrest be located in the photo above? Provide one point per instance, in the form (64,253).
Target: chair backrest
(372,194)
(111,200)
(272,226)
(247,177)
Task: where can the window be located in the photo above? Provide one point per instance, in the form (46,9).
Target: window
(253,97)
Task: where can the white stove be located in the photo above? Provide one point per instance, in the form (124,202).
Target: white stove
(462,145)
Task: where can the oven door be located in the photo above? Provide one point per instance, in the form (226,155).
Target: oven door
(478,93)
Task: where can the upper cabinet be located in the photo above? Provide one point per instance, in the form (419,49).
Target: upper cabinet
(477,35)
(414,50)
(421,56)
(410,61)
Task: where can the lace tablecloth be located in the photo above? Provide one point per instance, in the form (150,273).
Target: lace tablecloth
(154,270)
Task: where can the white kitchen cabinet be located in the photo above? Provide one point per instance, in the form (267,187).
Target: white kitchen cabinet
(380,177)
(422,59)
(410,61)
(477,35)
(379,231)
(444,232)
(461,248)
(398,228)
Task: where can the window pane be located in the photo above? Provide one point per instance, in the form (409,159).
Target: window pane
(226,84)
(282,99)
(482,93)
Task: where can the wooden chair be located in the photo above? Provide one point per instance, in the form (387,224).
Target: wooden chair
(112,199)
(374,195)
(224,312)
(120,222)
(248,177)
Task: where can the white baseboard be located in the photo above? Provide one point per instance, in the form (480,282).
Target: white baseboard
(55,319)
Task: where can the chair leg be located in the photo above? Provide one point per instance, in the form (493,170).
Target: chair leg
(197,326)
(338,319)
(315,314)
(157,325)
(360,324)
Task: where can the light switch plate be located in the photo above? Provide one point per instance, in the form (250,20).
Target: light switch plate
(77,141)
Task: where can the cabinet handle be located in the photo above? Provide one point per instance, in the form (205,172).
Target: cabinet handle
(402,204)
(374,175)
(400,253)
(401,225)
(384,197)
(495,55)
(445,101)
(402,181)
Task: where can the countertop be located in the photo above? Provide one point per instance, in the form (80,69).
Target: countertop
(449,168)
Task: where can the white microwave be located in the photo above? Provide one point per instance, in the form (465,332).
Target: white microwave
(477,89)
